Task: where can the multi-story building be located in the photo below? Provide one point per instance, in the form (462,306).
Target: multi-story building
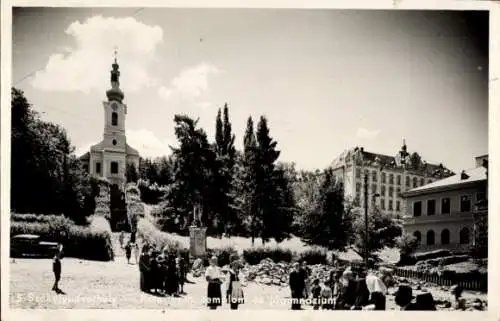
(388,177)
(444,214)
(110,157)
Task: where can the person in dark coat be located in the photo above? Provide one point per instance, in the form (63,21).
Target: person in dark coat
(181,272)
(347,296)
(57,268)
(425,302)
(296,282)
(316,294)
(362,292)
(172,279)
(403,298)
(145,268)
(128,251)
(306,273)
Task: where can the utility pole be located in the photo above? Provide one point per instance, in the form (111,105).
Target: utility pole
(366,219)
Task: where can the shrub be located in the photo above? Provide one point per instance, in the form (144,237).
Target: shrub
(431,255)
(41,218)
(313,256)
(80,242)
(255,255)
(156,238)
(224,255)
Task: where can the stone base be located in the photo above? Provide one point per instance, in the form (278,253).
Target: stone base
(197,241)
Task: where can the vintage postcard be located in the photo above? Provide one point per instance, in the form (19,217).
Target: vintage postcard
(302,160)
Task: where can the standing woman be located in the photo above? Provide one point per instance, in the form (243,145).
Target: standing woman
(234,293)
(213,277)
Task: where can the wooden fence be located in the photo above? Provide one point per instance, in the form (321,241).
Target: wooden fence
(475,282)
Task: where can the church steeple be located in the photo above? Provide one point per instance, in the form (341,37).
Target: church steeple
(115,93)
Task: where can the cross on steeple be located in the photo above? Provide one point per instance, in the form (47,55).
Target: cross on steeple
(115,54)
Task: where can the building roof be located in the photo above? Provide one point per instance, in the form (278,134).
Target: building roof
(85,156)
(472,175)
(388,162)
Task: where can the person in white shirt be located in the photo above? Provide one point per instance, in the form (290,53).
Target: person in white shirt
(214,279)
(377,288)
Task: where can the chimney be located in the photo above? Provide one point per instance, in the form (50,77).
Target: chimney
(463,175)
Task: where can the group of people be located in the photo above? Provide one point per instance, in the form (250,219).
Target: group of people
(352,288)
(162,272)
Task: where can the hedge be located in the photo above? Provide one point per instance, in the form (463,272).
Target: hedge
(79,242)
(315,255)
(156,238)
(224,255)
(254,255)
(40,218)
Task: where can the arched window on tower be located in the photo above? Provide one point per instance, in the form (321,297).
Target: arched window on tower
(114,119)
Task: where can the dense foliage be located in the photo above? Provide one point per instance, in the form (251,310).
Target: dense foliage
(46,176)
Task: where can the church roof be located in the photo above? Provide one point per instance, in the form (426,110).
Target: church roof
(131,151)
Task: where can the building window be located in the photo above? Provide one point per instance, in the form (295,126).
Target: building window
(398,179)
(445,237)
(382,203)
(98,168)
(358,187)
(480,196)
(417,208)
(114,167)
(357,200)
(465,204)
(366,173)
(383,178)
(464,236)
(390,205)
(407,181)
(422,182)
(431,207)
(445,206)
(398,206)
(391,179)
(398,192)
(415,183)
(430,237)
(382,190)
(374,176)
(114,119)
(358,173)
(418,236)
(391,191)
(114,142)
(374,189)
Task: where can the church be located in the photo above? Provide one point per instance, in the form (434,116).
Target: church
(110,157)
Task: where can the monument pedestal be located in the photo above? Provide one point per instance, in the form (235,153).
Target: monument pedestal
(197,241)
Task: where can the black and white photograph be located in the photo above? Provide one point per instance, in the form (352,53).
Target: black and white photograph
(205,159)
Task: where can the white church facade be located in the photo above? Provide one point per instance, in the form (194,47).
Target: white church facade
(109,158)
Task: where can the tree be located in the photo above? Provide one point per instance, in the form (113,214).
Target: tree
(382,230)
(267,155)
(224,166)
(248,181)
(328,222)
(131,173)
(193,177)
(46,177)
(415,161)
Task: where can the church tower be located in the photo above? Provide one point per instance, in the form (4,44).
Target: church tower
(110,157)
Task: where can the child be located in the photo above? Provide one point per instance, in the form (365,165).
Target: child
(316,294)
(128,251)
(181,273)
(326,296)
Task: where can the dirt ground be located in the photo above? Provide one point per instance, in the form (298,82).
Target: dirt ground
(108,285)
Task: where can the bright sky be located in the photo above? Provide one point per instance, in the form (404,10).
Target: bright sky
(326,80)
